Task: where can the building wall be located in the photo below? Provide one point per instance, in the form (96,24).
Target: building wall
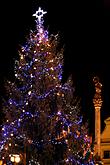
(105,143)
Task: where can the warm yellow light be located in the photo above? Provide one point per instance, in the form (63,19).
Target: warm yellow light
(29,92)
(58,94)
(66,141)
(51,60)
(51,68)
(6,148)
(9,144)
(1,162)
(21,57)
(48,45)
(68,129)
(17,159)
(12,159)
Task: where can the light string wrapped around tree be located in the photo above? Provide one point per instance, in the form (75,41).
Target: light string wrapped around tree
(43,119)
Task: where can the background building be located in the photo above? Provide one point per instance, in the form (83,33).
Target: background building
(105,143)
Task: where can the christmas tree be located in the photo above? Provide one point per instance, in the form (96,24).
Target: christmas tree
(43,124)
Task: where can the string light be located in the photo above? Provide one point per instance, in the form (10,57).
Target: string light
(29,109)
(21,57)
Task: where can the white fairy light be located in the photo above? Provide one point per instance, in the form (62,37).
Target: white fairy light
(39,14)
(29,92)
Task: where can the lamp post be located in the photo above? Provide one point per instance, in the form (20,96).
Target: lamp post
(15,158)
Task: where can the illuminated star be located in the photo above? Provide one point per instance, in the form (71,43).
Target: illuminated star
(39,14)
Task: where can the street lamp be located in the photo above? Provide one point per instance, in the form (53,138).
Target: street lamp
(15,158)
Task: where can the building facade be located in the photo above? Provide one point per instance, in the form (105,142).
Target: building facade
(105,143)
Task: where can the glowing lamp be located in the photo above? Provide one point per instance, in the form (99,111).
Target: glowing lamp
(15,158)
(12,158)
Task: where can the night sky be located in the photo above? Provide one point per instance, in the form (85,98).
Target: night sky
(84,30)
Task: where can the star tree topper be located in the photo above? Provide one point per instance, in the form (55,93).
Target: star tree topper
(39,14)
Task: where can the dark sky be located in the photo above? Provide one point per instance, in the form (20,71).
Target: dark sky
(84,30)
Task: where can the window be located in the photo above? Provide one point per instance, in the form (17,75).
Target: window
(106,154)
